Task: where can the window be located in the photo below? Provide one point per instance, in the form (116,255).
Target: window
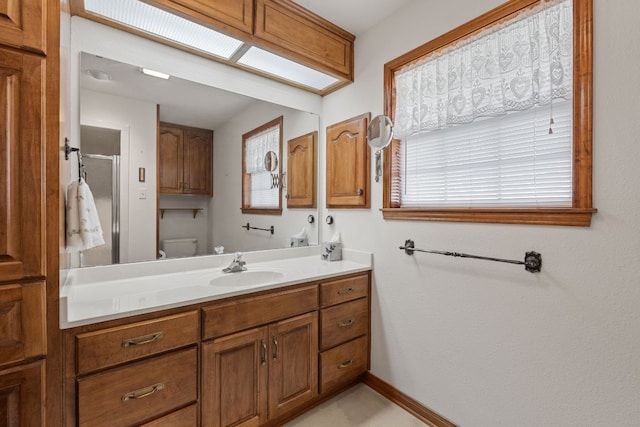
(493,120)
(260,191)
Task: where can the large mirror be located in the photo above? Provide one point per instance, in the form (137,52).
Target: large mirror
(120,111)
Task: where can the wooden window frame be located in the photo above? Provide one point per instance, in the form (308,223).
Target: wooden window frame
(581,211)
(246,177)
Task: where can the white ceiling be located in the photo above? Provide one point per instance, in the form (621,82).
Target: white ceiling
(355,16)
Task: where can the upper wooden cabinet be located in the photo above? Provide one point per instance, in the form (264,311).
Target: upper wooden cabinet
(185,160)
(224,14)
(348,163)
(21,175)
(23,24)
(301,171)
(305,37)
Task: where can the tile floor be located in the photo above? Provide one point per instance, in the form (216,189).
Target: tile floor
(359,406)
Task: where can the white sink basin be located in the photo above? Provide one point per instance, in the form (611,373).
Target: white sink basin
(247,278)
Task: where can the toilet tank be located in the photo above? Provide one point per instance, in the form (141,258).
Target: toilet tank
(179,248)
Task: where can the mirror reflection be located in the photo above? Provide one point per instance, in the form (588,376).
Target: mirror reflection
(379,135)
(187,137)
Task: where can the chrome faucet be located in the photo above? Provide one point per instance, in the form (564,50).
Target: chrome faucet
(236,265)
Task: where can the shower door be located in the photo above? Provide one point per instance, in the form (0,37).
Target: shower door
(103,177)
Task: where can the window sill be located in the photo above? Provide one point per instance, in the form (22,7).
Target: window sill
(578,217)
(262,211)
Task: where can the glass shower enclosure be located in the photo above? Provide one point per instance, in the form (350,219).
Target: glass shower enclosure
(103,177)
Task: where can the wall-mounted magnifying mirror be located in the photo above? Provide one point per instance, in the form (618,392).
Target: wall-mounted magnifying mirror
(271,161)
(379,135)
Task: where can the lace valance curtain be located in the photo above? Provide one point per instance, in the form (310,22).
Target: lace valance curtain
(258,146)
(520,64)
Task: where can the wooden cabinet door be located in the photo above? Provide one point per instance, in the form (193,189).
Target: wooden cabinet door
(21,392)
(21,173)
(170,164)
(22,322)
(22,24)
(198,161)
(234,380)
(293,369)
(305,37)
(348,163)
(301,171)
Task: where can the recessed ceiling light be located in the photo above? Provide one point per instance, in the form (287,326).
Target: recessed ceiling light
(99,75)
(154,73)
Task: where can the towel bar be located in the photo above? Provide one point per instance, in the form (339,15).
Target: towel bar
(532,260)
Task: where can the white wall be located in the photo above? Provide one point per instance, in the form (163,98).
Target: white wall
(137,122)
(182,224)
(488,344)
(227,183)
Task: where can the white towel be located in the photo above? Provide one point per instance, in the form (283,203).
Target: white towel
(83,225)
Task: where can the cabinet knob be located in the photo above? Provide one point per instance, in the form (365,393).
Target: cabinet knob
(360,191)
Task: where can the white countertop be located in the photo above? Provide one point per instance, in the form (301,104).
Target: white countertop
(97,294)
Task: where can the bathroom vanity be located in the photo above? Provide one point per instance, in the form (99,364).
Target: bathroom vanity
(215,349)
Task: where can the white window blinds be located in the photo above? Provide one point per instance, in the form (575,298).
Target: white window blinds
(257,146)
(474,119)
(510,160)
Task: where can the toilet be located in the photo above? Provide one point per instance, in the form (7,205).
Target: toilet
(179,248)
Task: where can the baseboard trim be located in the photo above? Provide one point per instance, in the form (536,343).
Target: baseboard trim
(407,403)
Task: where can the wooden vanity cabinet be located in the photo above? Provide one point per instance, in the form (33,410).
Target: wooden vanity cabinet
(250,360)
(348,163)
(344,330)
(136,373)
(259,374)
(185,159)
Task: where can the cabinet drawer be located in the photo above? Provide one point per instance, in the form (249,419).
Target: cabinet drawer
(109,347)
(138,392)
(342,290)
(22,322)
(186,417)
(343,322)
(343,363)
(245,313)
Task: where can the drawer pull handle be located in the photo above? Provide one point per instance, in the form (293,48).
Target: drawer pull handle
(275,348)
(345,364)
(146,339)
(143,392)
(263,353)
(345,291)
(345,323)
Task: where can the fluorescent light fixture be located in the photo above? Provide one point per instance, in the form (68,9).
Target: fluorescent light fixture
(278,66)
(142,16)
(155,73)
